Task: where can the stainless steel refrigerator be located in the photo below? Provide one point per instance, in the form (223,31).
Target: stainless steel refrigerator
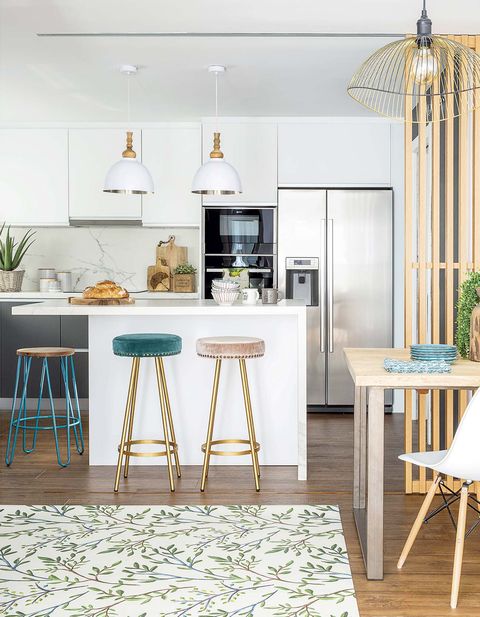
(335,250)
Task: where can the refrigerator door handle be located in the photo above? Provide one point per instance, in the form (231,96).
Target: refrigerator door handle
(321,286)
(330,283)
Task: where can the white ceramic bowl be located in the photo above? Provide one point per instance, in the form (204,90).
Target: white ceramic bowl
(225,284)
(225,298)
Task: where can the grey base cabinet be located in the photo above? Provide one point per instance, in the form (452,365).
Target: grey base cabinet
(18,331)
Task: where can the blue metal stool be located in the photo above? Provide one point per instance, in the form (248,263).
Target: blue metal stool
(20,420)
(139,346)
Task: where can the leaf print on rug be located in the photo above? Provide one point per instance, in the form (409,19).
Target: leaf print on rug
(183,561)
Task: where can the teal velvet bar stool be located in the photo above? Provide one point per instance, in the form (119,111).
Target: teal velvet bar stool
(71,419)
(139,346)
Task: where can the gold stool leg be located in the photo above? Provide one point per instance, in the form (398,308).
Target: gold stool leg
(169,415)
(163,406)
(249,402)
(128,410)
(250,424)
(211,420)
(131,419)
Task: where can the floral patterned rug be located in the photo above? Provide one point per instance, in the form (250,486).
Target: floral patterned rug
(208,561)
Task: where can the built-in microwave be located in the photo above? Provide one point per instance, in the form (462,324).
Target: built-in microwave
(239,231)
(239,242)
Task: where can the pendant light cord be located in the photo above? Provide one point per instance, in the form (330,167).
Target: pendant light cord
(128,100)
(216,100)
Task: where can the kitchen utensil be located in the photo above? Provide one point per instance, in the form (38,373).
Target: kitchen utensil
(250,296)
(65,280)
(270,295)
(45,284)
(168,253)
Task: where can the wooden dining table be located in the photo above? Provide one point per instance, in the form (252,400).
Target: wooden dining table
(371,380)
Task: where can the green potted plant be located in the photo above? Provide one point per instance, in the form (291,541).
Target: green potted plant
(467,301)
(11,255)
(184,278)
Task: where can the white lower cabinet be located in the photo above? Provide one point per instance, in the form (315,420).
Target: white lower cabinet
(34,178)
(329,153)
(172,154)
(91,154)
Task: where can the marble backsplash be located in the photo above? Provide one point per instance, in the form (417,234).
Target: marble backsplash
(95,253)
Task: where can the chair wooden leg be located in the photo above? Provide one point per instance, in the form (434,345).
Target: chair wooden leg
(131,418)
(419,520)
(459,542)
(211,420)
(166,432)
(126,419)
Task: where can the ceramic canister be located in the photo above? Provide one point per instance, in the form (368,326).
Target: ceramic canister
(65,280)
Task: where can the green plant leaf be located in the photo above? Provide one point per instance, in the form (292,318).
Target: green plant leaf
(467,301)
(11,252)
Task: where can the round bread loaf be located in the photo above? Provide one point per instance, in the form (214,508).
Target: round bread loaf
(105,289)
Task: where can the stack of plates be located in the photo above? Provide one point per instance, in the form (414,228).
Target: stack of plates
(433,353)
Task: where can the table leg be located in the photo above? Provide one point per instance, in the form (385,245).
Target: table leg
(359,447)
(376,423)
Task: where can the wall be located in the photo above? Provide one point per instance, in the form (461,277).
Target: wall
(95,253)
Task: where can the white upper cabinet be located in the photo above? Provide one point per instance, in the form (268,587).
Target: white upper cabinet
(91,154)
(172,154)
(252,149)
(34,176)
(344,153)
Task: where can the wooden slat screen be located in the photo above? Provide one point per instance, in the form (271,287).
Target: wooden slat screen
(442,244)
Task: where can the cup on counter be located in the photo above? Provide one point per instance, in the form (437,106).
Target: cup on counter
(250,295)
(270,295)
(65,280)
(45,284)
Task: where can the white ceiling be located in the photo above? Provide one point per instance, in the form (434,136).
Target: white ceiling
(76,79)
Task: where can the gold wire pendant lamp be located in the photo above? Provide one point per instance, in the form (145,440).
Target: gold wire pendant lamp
(437,77)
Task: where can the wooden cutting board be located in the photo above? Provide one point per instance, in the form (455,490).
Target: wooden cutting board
(158,278)
(101,301)
(171,255)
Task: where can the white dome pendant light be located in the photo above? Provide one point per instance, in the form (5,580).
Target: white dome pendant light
(128,176)
(216,176)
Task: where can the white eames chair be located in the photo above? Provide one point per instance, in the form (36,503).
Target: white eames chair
(462,461)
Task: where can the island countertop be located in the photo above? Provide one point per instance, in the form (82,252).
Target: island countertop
(277,380)
(160,307)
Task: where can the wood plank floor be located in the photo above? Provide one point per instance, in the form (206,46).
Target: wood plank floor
(422,588)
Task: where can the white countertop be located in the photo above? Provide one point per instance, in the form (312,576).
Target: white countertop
(161,307)
(57,295)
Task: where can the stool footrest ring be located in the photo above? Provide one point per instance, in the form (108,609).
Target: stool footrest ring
(172,447)
(217,442)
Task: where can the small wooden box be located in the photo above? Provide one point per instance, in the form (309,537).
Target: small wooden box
(184,283)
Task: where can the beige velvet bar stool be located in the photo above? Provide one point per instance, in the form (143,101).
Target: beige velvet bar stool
(231,348)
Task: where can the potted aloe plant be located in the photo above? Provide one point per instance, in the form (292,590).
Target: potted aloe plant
(11,255)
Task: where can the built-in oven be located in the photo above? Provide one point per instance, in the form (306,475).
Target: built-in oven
(239,243)
(239,231)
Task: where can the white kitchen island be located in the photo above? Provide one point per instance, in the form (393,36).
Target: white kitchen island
(277,381)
